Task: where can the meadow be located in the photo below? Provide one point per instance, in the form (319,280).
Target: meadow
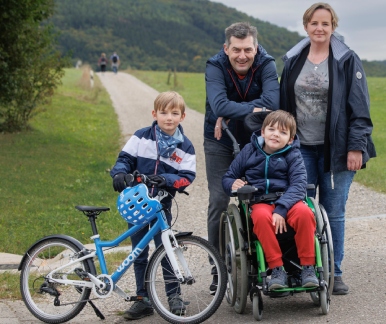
(62,161)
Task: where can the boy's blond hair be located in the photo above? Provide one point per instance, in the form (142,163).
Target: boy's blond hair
(284,119)
(169,100)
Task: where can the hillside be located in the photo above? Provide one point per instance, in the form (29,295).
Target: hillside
(160,34)
(156,34)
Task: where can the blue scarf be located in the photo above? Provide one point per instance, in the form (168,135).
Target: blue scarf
(166,143)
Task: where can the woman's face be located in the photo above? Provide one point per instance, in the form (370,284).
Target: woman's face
(319,28)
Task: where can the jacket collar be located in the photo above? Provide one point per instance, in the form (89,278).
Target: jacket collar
(339,48)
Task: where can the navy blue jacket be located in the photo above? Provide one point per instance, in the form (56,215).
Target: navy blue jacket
(348,124)
(283,171)
(224,98)
(141,153)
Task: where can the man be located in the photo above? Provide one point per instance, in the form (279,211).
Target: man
(115,62)
(240,79)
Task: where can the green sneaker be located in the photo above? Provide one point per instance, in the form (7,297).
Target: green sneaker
(141,308)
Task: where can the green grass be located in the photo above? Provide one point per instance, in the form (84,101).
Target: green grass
(192,87)
(374,176)
(61,162)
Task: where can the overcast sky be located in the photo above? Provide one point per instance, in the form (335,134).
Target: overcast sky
(362,23)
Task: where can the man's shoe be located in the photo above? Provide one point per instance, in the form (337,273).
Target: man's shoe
(141,308)
(213,285)
(308,277)
(176,304)
(278,279)
(339,287)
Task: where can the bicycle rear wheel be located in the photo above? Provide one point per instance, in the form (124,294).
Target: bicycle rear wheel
(49,301)
(199,304)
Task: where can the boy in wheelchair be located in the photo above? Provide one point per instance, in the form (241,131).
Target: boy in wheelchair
(273,164)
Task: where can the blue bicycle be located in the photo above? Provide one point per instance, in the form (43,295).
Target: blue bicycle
(58,273)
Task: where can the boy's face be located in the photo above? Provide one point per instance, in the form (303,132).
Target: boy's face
(168,119)
(275,138)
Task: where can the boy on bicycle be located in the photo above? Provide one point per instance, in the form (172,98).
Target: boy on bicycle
(272,163)
(165,155)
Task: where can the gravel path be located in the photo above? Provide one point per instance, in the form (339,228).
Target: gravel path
(365,259)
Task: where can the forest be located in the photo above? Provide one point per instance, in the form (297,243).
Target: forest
(161,34)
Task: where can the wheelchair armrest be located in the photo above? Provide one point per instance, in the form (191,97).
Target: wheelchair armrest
(246,192)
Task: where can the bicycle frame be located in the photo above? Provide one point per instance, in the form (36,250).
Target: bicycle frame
(159,225)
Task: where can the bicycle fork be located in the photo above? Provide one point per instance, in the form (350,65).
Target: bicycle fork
(173,249)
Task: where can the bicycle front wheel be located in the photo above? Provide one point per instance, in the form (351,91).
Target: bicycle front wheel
(49,301)
(197,303)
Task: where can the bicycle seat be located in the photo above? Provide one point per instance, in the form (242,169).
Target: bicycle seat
(92,208)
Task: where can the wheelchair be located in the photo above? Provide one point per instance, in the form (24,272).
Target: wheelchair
(247,269)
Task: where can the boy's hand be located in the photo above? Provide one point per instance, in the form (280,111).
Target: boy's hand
(279,223)
(159,180)
(119,182)
(238,184)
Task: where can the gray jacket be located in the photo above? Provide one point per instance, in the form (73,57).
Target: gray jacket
(348,124)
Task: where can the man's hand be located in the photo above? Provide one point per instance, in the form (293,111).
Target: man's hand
(354,160)
(119,182)
(279,223)
(218,129)
(256,109)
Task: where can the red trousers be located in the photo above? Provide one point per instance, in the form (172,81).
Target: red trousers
(300,218)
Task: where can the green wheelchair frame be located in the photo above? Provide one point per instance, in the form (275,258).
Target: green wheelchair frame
(247,270)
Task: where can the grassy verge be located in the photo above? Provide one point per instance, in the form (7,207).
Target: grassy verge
(192,87)
(374,175)
(61,162)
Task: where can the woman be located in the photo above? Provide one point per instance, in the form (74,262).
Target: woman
(324,86)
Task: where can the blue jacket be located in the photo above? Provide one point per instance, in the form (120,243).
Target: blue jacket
(348,124)
(225,98)
(283,171)
(141,153)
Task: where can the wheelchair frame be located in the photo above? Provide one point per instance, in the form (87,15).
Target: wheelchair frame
(246,266)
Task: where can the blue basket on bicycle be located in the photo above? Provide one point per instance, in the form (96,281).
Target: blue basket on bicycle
(135,205)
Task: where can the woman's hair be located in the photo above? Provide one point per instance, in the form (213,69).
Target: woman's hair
(240,30)
(284,119)
(320,5)
(169,100)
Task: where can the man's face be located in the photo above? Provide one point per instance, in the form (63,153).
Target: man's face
(241,53)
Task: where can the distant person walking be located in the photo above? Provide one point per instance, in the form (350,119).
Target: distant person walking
(115,62)
(102,62)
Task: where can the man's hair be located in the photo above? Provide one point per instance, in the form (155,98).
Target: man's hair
(169,100)
(320,5)
(284,119)
(240,30)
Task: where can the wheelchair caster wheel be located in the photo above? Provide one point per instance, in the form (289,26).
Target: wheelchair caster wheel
(257,305)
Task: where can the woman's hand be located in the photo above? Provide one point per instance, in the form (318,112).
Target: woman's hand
(354,160)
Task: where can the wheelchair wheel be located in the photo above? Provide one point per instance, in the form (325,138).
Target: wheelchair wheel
(227,252)
(257,309)
(240,260)
(324,301)
(327,250)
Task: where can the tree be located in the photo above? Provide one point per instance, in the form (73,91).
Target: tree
(30,68)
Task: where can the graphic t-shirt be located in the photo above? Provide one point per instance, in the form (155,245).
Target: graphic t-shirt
(311,96)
